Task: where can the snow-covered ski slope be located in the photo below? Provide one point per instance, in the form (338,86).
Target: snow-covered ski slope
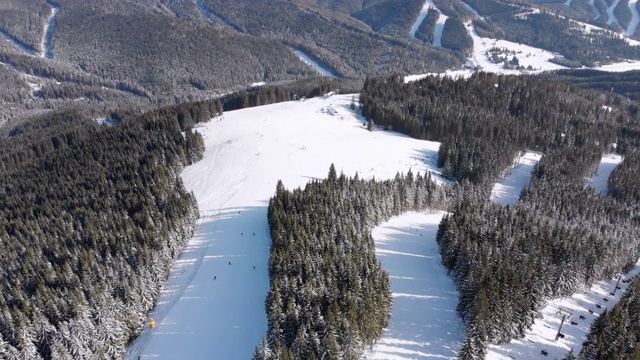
(635,18)
(424,322)
(213,304)
(612,17)
(591,2)
(581,309)
(599,181)
(507,191)
(437,31)
(317,67)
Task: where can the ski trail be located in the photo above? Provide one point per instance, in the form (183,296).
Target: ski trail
(633,24)
(567,3)
(437,31)
(473,11)
(424,323)
(420,19)
(612,18)
(591,2)
(507,191)
(19,44)
(599,181)
(46,45)
(205,11)
(317,67)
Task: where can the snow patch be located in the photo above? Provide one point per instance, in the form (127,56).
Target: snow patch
(472,10)
(437,31)
(507,191)
(599,181)
(317,67)
(46,44)
(635,19)
(612,17)
(18,44)
(582,308)
(213,302)
(424,323)
(567,3)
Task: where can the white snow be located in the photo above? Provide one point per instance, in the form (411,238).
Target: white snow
(423,13)
(612,17)
(259,83)
(591,2)
(45,47)
(567,3)
(507,191)
(635,19)
(542,335)
(599,181)
(247,152)
(472,10)
(437,31)
(424,323)
(317,67)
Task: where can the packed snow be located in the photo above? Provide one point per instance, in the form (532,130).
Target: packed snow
(567,3)
(580,310)
(599,181)
(437,31)
(46,45)
(472,10)
(507,191)
(424,322)
(213,302)
(635,18)
(317,67)
(612,17)
(428,4)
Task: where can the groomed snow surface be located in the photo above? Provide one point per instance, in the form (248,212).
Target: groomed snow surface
(424,324)
(543,333)
(317,67)
(213,303)
(599,181)
(507,191)
(437,31)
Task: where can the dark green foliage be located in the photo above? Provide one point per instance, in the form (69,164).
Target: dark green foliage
(614,334)
(624,184)
(455,37)
(329,296)
(623,13)
(484,121)
(390,18)
(91,219)
(625,83)
(452,8)
(425,31)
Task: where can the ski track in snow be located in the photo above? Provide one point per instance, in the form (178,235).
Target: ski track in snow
(472,10)
(567,3)
(542,335)
(317,67)
(507,191)
(424,322)
(46,44)
(247,152)
(599,180)
(205,11)
(18,44)
(437,31)
(612,17)
(635,19)
(591,2)
(423,13)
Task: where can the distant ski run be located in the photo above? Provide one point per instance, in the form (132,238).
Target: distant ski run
(612,17)
(46,44)
(507,191)
(635,19)
(599,181)
(317,67)
(437,31)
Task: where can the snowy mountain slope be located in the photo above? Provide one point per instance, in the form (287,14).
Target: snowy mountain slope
(317,67)
(635,19)
(599,180)
(612,17)
(437,32)
(213,304)
(597,16)
(507,191)
(424,322)
(581,309)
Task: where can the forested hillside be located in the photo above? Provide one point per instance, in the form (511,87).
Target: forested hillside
(580,238)
(329,296)
(92,218)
